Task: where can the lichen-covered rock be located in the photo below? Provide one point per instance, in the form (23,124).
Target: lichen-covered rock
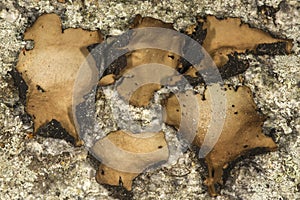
(241,133)
(137,58)
(125,155)
(50,70)
(223,37)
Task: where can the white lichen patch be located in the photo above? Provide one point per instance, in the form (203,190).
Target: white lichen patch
(42,168)
(180,180)
(276,91)
(275,84)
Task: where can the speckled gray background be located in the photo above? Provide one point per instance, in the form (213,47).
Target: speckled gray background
(44,168)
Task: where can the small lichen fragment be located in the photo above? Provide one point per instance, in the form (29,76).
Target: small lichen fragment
(50,69)
(125,155)
(229,35)
(139,57)
(241,133)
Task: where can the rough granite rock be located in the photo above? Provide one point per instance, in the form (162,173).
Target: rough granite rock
(44,168)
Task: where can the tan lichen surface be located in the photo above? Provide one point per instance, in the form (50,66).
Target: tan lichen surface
(229,35)
(107,80)
(110,176)
(143,95)
(50,69)
(241,133)
(125,155)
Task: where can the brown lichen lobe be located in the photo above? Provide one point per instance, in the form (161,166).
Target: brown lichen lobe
(229,35)
(241,133)
(50,70)
(125,155)
(142,96)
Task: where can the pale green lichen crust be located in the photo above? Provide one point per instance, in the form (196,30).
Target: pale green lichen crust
(43,168)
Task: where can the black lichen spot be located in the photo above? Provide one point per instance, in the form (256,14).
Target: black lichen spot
(39,88)
(272,133)
(20,84)
(191,52)
(110,55)
(54,130)
(194,81)
(234,66)
(199,34)
(272,49)
(120,181)
(268,11)
(185,65)
(171,56)
(116,67)
(284,6)
(119,192)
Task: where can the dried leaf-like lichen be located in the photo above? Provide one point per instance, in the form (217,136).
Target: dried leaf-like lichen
(143,95)
(242,130)
(229,35)
(221,38)
(50,69)
(241,133)
(125,155)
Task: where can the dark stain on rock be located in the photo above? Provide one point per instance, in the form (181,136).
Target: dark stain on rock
(54,130)
(194,81)
(110,56)
(199,34)
(192,52)
(268,11)
(279,48)
(119,192)
(234,66)
(116,67)
(20,84)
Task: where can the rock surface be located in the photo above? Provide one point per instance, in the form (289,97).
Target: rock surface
(46,168)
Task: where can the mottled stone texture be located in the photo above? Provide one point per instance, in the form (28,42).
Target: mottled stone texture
(40,168)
